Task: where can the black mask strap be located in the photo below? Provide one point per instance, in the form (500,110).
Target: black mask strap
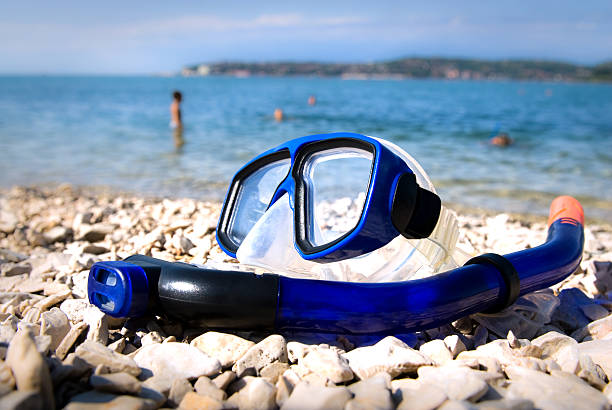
(415,211)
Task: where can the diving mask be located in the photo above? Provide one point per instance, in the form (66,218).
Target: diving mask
(338,206)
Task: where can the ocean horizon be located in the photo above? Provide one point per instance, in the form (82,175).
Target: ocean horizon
(101,130)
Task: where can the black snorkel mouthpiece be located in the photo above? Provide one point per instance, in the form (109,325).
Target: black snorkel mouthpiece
(415,211)
(206,297)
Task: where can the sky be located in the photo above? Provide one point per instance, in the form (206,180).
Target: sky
(41,36)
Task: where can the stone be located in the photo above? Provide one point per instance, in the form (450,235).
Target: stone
(226,348)
(501,351)
(206,387)
(72,367)
(176,360)
(224,379)
(96,354)
(43,343)
(29,368)
(437,351)
(421,397)
(178,390)
(273,371)
(389,355)
(548,392)
(118,383)
(7,381)
(457,405)
(98,325)
(52,300)
(193,401)
(305,396)
(55,324)
(57,234)
(96,232)
(283,390)
(95,249)
(256,394)
(590,372)
(372,393)
(505,404)
(69,340)
(22,400)
(459,383)
(594,330)
(297,351)
(150,339)
(118,345)
(600,351)
(594,311)
(93,400)
(329,364)
(568,314)
(455,345)
(15,269)
(272,349)
(75,309)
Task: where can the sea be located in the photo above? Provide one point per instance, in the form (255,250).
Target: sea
(113,131)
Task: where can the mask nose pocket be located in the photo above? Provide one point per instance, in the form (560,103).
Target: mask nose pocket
(269,244)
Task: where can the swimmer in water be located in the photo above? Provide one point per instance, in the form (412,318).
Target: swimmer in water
(501,140)
(278,115)
(175,110)
(312,100)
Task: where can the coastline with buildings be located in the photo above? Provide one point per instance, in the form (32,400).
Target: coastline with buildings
(444,68)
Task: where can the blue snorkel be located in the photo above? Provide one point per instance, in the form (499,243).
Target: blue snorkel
(240,300)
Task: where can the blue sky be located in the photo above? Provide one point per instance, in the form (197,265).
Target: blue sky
(42,36)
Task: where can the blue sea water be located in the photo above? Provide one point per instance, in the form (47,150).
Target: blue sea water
(113,131)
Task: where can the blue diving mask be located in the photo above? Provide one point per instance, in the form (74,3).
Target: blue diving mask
(343,206)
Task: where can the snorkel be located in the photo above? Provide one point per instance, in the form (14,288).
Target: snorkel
(238,299)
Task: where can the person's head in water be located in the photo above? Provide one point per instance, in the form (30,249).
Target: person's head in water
(501,140)
(177,96)
(312,100)
(278,114)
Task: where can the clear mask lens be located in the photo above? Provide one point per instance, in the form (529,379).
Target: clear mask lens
(337,183)
(254,196)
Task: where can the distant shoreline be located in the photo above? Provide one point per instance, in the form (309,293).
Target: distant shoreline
(413,68)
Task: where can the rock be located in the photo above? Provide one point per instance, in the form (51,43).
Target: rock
(14,269)
(115,383)
(283,390)
(75,309)
(95,249)
(457,405)
(273,371)
(55,324)
(98,325)
(94,400)
(594,311)
(297,351)
(602,271)
(224,379)
(548,392)
(608,392)
(118,345)
(49,301)
(329,364)
(437,351)
(224,347)
(421,397)
(96,232)
(590,372)
(29,368)
(193,401)
(57,234)
(43,342)
(272,349)
(459,383)
(205,387)
(176,360)
(372,393)
(257,394)
(150,339)
(594,330)
(505,404)
(501,351)
(568,314)
(68,341)
(7,381)
(22,400)
(96,354)
(454,344)
(389,355)
(305,396)
(178,390)
(600,351)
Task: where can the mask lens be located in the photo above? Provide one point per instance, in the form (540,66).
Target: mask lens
(338,181)
(254,196)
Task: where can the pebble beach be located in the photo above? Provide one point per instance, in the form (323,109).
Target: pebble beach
(551,350)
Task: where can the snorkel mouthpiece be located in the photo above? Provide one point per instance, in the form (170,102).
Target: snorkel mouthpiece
(415,211)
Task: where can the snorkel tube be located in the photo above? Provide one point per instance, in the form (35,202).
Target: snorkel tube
(242,300)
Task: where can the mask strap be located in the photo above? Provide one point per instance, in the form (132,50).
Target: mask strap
(415,211)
